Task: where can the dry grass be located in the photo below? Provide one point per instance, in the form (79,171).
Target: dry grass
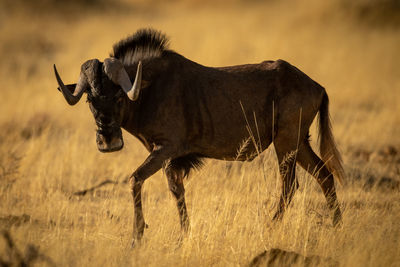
(48,151)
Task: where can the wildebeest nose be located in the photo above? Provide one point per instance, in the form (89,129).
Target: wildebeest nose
(100,140)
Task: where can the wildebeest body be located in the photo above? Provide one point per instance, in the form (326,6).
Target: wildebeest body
(203,113)
(183,112)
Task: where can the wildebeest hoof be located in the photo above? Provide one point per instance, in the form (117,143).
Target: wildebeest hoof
(337,219)
(277,217)
(136,242)
(337,224)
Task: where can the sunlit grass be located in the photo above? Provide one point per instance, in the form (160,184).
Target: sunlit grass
(48,151)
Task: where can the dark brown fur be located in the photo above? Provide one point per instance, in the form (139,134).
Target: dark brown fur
(186,112)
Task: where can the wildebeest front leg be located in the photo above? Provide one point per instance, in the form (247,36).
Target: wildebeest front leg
(175,183)
(151,165)
(139,223)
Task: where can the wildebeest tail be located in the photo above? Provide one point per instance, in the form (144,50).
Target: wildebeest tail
(328,149)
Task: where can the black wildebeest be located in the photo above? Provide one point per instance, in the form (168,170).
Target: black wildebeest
(182,112)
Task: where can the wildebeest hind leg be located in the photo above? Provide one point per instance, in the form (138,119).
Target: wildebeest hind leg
(316,167)
(175,183)
(287,167)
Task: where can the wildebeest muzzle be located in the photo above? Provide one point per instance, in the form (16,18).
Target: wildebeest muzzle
(109,139)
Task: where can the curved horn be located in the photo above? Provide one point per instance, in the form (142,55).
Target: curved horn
(117,73)
(133,94)
(74,98)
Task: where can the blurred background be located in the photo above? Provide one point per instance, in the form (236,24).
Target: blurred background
(48,150)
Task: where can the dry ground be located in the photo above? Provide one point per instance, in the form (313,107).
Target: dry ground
(48,151)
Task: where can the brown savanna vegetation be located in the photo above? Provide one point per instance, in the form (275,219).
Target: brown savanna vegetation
(48,153)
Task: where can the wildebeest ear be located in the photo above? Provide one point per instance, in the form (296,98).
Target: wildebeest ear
(70,87)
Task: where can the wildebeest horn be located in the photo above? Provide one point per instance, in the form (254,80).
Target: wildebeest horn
(117,73)
(133,94)
(72,98)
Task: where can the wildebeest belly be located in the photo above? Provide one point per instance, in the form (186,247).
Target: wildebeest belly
(241,147)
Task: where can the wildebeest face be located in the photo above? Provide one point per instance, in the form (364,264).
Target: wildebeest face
(107,112)
(107,86)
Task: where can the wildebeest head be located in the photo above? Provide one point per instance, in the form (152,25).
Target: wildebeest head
(103,83)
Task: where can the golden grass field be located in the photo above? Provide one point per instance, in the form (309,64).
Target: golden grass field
(48,150)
